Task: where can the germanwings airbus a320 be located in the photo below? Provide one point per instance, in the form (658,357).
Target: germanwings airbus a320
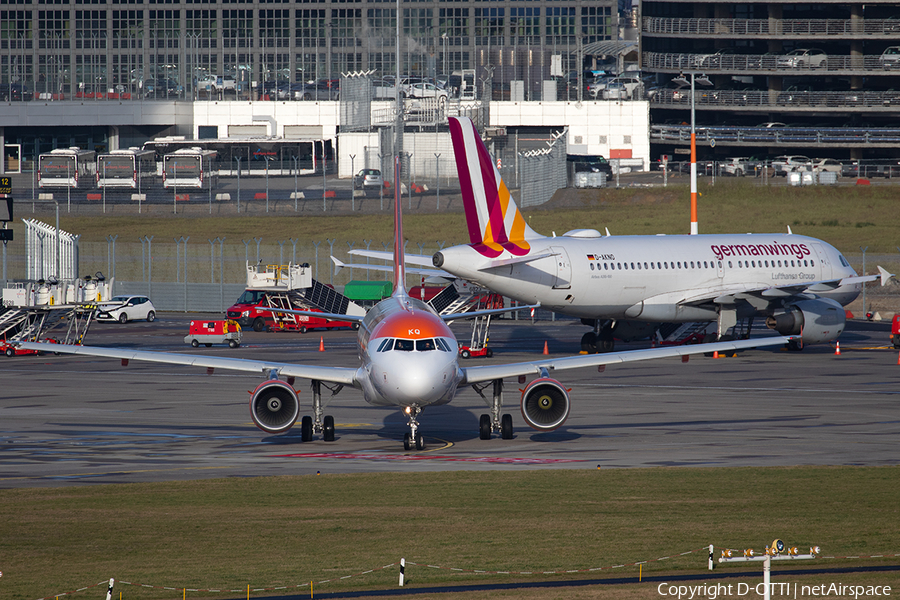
(799,284)
(409,359)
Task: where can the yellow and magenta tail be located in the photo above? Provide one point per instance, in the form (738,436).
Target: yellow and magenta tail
(494,221)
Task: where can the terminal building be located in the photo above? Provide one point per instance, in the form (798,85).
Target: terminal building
(770,77)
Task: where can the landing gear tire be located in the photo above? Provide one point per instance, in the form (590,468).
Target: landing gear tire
(420,442)
(506,427)
(605,342)
(328,429)
(259,324)
(589,342)
(306,429)
(484,427)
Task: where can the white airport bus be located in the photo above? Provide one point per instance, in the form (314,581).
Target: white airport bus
(133,168)
(190,168)
(67,167)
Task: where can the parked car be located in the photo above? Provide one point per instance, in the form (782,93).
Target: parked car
(368,178)
(737,166)
(784,164)
(890,58)
(14,91)
(225,83)
(426,90)
(127,308)
(622,88)
(314,91)
(829,165)
(384,89)
(812,58)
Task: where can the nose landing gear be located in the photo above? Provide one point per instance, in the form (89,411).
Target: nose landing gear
(413,438)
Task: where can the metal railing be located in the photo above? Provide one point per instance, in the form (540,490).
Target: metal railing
(837,136)
(774,99)
(769,63)
(758,27)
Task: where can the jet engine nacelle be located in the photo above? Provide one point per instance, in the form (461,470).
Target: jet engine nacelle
(819,320)
(545,404)
(274,406)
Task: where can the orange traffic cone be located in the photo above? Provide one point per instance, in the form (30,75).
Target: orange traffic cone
(837,348)
(715,354)
(546,351)
(321,344)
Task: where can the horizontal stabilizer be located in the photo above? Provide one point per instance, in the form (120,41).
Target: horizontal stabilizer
(338,265)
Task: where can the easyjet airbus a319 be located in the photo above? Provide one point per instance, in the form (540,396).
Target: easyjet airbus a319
(798,284)
(409,359)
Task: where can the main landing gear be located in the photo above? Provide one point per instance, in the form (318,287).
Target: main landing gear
(413,437)
(599,340)
(319,423)
(488,424)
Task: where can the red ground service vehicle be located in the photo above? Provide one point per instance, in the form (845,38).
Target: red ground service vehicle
(250,310)
(214,332)
(11,349)
(895,331)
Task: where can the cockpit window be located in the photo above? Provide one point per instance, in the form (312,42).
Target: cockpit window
(443,345)
(424,345)
(404,345)
(843,260)
(385,345)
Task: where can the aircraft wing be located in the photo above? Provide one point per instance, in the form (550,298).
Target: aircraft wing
(785,291)
(410,259)
(338,265)
(342,375)
(491,372)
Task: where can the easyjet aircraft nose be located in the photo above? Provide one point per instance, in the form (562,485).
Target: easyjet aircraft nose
(415,372)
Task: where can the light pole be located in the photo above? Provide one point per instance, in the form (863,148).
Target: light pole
(352,184)
(238,159)
(702,79)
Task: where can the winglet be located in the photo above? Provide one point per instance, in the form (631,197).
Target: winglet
(789,230)
(338,265)
(885,276)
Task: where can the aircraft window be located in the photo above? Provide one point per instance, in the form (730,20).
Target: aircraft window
(639,266)
(812,263)
(626,266)
(843,260)
(592,266)
(632,266)
(385,345)
(679,264)
(605,267)
(739,264)
(659,265)
(805,264)
(424,345)
(665,265)
(652,266)
(443,345)
(692,264)
(729,264)
(620,266)
(404,345)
